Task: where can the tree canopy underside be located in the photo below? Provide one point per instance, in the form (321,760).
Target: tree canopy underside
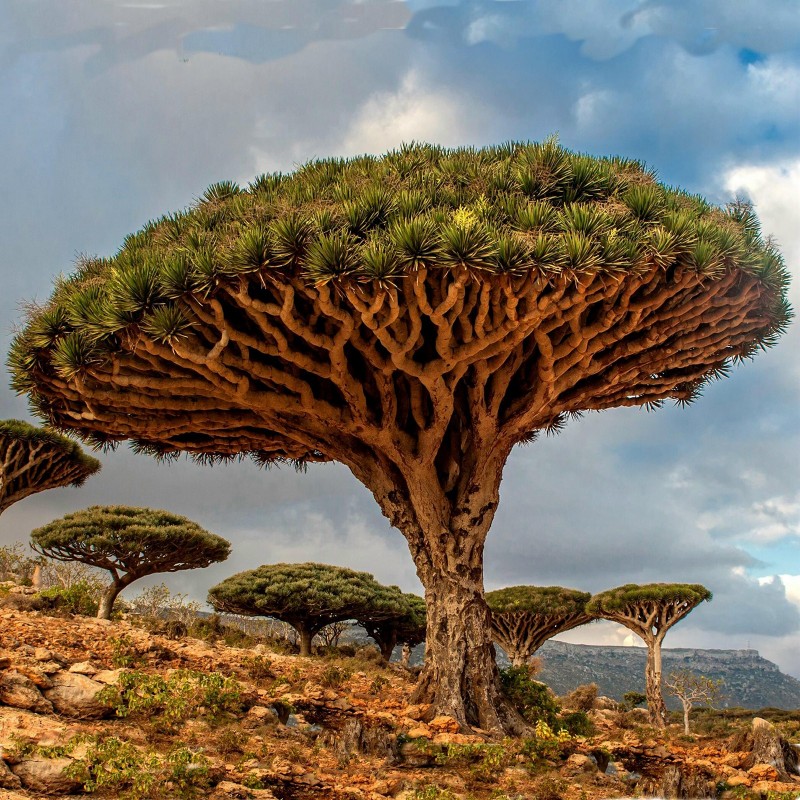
(407,311)
(34,459)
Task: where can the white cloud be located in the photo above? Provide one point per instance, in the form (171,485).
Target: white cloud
(414,111)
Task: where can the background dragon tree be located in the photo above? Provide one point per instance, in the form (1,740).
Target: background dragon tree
(650,610)
(129,543)
(413,317)
(307,596)
(34,459)
(525,617)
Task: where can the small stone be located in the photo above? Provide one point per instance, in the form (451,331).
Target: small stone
(444,724)
(739,780)
(262,713)
(85,668)
(763,772)
(420,732)
(76,696)
(18,691)
(46,775)
(109,677)
(578,762)
(416,712)
(342,703)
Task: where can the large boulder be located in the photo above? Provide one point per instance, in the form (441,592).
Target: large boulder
(19,691)
(46,775)
(75,695)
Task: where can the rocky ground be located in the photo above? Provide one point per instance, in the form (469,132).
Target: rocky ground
(96,709)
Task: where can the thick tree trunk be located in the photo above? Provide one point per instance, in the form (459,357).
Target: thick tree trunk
(687,707)
(387,647)
(518,659)
(306,637)
(107,599)
(652,676)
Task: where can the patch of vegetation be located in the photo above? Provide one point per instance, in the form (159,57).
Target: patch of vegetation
(168,702)
(113,765)
(433,792)
(124,653)
(532,699)
(334,676)
(484,760)
(80,598)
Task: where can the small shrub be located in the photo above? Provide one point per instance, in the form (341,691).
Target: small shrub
(171,701)
(231,740)
(532,699)
(80,598)
(124,652)
(258,667)
(433,792)
(545,742)
(577,723)
(378,684)
(581,698)
(334,676)
(550,788)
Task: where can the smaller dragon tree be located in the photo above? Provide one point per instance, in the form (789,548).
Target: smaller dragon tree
(650,610)
(692,689)
(406,627)
(130,543)
(34,459)
(306,596)
(525,617)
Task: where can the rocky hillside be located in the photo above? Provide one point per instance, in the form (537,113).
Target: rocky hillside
(750,680)
(92,709)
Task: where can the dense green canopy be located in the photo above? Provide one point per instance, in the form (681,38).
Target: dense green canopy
(504,210)
(307,596)
(33,459)
(130,543)
(546,600)
(633,594)
(407,626)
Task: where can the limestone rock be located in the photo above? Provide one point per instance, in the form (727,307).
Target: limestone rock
(76,696)
(578,762)
(444,724)
(46,775)
(8,780)
(226,790)
(19,691)
(109,676)
(85,668)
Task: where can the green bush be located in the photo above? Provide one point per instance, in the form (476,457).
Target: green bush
(168,702)
(80,598)
(577,723)
(532,699)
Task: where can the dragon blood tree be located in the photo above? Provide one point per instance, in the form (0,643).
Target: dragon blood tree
(525,617)
(650,610)
(413,317)
(407,626)
(34,459)
(306,596)
(130,543)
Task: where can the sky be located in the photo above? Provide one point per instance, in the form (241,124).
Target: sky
(117,112)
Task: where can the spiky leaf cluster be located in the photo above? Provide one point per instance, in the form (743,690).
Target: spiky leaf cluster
(33,459)
(309,595)
(131,541)
(544,600)
(632,594)
(508,209)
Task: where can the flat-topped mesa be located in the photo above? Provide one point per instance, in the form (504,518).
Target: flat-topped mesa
(414,317)
(35,459)
(525,617)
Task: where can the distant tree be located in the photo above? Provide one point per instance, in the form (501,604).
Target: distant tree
(331,634)
(633,699)
(525,617)
(691,689)
(306,596)
(129,543)
(650,611)
(34,459)
(407,627)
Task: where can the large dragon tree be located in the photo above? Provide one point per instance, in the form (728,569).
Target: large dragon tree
(650,610)
(34,459)
(129,543)
(413,317)
(525,617)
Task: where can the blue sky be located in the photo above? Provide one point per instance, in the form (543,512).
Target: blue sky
(114,113)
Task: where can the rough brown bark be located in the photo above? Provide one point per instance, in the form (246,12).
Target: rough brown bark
(107,599)
(306,637)
(652,688)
